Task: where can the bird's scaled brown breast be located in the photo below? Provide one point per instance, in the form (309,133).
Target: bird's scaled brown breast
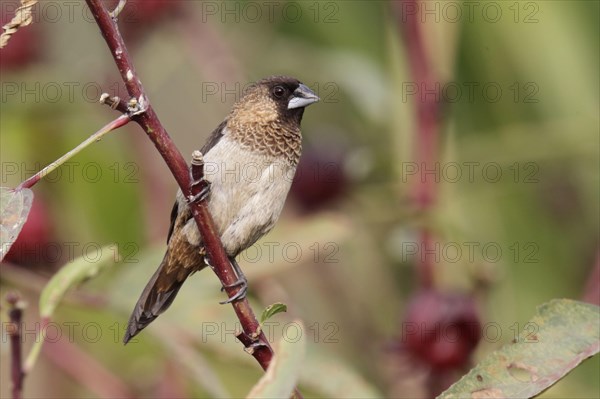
(256,124)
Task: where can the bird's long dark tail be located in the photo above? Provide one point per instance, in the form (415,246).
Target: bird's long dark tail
(158,295)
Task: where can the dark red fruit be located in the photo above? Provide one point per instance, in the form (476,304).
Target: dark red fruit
(320,178)
(441,329)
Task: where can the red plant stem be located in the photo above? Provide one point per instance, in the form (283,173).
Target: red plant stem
(149,121)
(427,108)
(426,266)
(591,292)
(15,315)
(16,353)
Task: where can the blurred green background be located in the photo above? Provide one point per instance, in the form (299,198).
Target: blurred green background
(519,120)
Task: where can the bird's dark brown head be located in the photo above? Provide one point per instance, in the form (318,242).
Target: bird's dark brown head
(290,95)
(270,111)
(274,98)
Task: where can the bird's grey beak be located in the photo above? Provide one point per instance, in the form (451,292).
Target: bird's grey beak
(302,97)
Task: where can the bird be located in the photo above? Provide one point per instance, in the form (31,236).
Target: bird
(250,160)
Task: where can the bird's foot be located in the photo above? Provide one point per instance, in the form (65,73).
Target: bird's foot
(201,187)
(242,282)
(254,346)
(240,294)
(202,194)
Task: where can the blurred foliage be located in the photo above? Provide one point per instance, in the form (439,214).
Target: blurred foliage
(352,278)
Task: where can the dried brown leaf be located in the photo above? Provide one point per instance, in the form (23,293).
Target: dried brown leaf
(22,18)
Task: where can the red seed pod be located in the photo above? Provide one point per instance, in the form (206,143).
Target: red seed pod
(320,178)
(441,329)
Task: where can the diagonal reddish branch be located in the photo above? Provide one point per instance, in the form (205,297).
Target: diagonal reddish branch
(148,120)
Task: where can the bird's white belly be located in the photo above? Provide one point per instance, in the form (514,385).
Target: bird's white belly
(247,193)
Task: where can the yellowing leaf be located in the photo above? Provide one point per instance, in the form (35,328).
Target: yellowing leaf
(565,333)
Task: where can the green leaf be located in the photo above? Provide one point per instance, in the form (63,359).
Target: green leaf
(561,335)
(73,274)
(14,209)
(272,310)
(69,276)
(342,381)
(283,372)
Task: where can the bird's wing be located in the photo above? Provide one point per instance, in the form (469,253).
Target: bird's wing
(180,261)
(174,212)
(214,137)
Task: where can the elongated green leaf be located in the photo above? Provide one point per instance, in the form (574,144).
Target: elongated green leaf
(72,274)
(341,381)
(272,310)
(14,209)
(69,276)
(283,373)
(561,335)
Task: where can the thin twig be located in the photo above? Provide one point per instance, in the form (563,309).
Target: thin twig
(115,124)
(15,314)
(114,102)
(149,121)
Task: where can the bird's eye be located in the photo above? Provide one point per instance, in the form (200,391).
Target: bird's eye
(278,91)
